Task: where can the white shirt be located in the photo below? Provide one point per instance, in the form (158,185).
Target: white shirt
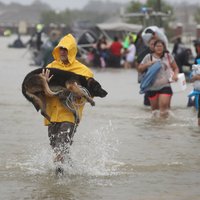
(130,56)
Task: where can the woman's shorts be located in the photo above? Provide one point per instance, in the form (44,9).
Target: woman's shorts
(153,94)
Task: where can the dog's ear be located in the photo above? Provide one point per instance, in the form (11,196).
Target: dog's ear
(32,98)
(95,88)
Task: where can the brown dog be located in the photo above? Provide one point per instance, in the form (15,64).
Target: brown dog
(35,88)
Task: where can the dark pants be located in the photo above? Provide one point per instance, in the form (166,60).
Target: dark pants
(115,61)
(146,100)
(198,106)
(61,135)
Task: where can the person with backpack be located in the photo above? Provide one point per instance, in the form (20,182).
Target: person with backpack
(160,91)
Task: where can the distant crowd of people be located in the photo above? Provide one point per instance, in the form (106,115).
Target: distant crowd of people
(128,52)
(157,67)
(117,54)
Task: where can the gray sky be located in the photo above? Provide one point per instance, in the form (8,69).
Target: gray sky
(60,4)
(63,4)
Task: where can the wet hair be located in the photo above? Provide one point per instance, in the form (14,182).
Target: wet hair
(164,45)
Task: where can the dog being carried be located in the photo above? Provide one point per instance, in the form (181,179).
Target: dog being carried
(64,85)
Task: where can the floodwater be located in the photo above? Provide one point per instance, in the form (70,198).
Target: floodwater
(119,152)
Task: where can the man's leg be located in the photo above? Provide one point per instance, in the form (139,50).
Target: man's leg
(61,135)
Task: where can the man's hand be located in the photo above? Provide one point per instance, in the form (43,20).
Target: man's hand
(46,74)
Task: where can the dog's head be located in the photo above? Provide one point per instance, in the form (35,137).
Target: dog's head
(95,88)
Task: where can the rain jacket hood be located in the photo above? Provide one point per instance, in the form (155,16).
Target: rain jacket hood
(74,65)
(54,108)
(69,43)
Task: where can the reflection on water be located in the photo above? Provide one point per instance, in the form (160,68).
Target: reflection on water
(120,150)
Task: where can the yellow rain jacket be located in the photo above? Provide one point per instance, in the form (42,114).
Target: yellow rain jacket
(54,108)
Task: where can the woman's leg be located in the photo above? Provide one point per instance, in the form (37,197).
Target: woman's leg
(127,65)
(154,102)
(164,104)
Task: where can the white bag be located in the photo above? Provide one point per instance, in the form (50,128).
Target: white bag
(180,84)
(196,71)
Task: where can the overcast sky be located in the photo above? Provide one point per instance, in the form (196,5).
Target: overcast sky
(71,4)
(60,4)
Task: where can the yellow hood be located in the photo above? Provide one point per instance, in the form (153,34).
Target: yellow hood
(54,108)
(69,43)
(74,65)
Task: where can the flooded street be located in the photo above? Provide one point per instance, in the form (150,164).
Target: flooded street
(119,152)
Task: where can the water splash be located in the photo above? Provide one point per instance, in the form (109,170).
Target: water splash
(40,161)
(96,152)
(175,118)
(93,156)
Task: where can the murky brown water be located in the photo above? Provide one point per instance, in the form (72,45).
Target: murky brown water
(119,151)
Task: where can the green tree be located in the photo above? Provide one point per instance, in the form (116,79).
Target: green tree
(197,15)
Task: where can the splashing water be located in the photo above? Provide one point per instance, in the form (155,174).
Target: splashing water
(175,118)
(94,156)
(39,162)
